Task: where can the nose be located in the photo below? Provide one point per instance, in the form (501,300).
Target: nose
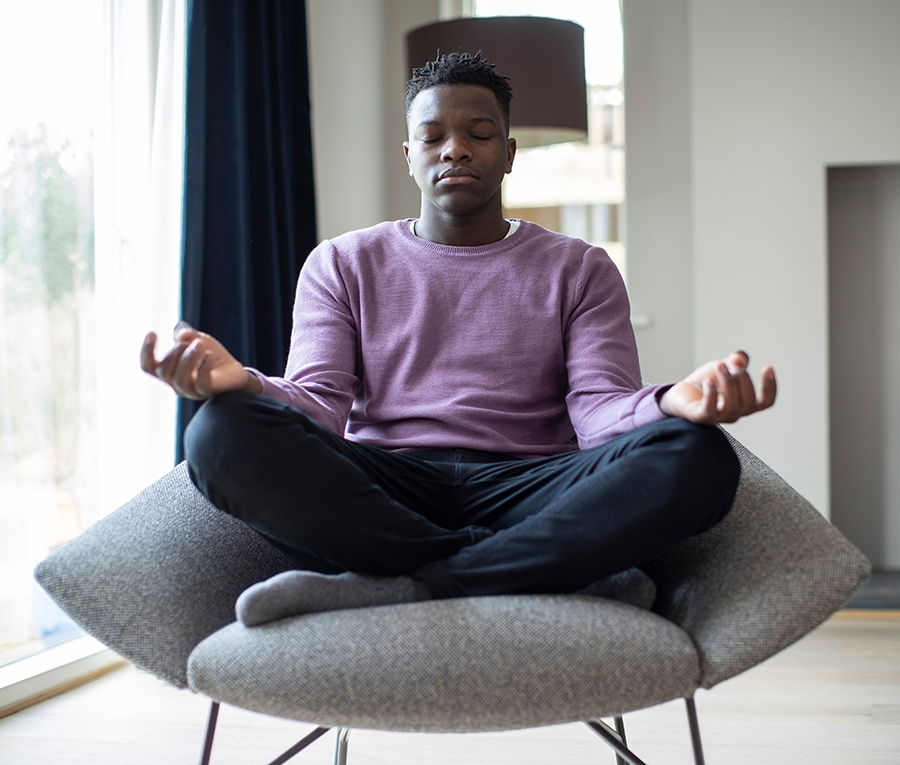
(455,148)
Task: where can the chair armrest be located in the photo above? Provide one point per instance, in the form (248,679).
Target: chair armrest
(769,573)
(160,574)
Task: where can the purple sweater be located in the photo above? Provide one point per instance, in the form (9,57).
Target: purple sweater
(514,347)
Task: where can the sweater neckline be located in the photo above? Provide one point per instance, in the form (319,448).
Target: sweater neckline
(406,232)
(514,224)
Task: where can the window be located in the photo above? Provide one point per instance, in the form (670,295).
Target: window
(90,223)
(48,384)
(577,188)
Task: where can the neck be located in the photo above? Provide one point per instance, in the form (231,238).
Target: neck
(462,230)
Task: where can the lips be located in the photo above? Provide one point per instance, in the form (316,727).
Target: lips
(456,172)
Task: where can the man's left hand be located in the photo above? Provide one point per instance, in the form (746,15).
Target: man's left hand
(720,391)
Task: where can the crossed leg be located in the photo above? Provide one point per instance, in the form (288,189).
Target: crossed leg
(404,528)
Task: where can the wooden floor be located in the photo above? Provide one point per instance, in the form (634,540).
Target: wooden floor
(832,698)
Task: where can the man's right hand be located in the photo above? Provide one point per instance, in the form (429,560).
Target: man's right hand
(197,366)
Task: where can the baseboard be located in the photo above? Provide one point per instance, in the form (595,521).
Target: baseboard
(36,678)
(868,614)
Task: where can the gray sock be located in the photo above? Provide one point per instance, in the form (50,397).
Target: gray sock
(631,586)
(299,592)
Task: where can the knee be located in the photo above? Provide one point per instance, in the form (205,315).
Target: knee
(707,445)
(214,439)
(708,462)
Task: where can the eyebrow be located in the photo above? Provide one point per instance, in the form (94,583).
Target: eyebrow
(437,123)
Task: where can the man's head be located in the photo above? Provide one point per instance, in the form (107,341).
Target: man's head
(458,147)
(461,69)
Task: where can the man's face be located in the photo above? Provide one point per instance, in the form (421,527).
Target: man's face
(457,150)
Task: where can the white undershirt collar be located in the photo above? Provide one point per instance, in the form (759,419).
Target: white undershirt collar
(513,226)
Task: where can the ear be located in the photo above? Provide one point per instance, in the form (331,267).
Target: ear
(406,154)
(510,153)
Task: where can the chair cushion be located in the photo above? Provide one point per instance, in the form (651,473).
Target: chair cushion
(475,664)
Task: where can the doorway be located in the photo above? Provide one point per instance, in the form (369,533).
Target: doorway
(864,344)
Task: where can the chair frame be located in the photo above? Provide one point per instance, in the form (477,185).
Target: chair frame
(613,737)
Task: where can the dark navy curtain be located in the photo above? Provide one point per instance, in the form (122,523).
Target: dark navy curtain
(249,207)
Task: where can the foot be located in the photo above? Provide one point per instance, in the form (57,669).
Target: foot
(300,592)
(631,586)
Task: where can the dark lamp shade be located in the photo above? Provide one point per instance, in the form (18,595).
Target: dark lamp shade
(544,59)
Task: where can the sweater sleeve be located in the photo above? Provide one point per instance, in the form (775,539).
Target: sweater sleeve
(320,379)
(606,396)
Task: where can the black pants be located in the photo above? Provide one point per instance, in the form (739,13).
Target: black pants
(461,522)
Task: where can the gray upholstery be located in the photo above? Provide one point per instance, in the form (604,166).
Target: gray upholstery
(157,581)
(771,572)
(158,575)
(453,665)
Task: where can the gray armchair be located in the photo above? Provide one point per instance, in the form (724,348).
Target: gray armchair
(157,580)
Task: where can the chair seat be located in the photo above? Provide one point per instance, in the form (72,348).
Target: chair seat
(476,664)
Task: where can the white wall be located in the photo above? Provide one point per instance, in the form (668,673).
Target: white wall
(734,112)
(357,74)
(777,90)
(659,232)
(345,52)
(402,196)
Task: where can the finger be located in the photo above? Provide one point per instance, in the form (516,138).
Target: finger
(768,388)
(202,378)
(709,402)
(185,375)
(184,332)
(738,360)
(746,392)
(148,354)
(167,365)
(728,403)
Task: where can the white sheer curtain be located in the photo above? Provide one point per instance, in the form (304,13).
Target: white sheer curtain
(48,74)
(90,235)
(138,186)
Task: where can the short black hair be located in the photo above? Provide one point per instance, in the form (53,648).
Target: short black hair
(461,69)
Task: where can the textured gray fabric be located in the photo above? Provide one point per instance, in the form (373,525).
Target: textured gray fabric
(163,573)
(764,577)
(158,575)
(472,664)
(292,593)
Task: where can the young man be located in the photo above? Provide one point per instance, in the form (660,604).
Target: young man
(462,412)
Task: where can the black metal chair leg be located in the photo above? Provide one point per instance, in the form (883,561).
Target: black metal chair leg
(611,737)
(300,745)
(210,732)
(695,731)
(624,756)
(616,739)
(296,748)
